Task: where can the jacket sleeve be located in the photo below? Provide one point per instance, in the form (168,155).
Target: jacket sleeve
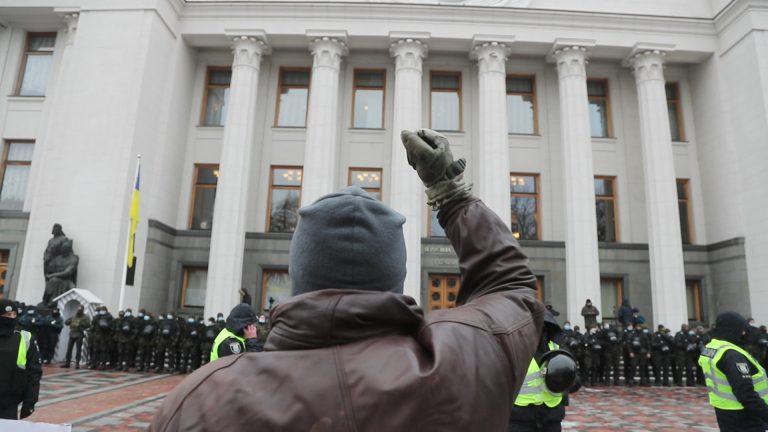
(741,383)
(230,346)
(490,259)
(34,373)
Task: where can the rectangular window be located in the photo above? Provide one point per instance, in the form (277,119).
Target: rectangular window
(611,295)
(4,256)
(521,105)
(275,287)
(435,229)
(36,64)
(674,107)
(599,108)
(684,205)
(284,199)
(293,93)
(368,179)
(540,288)
(193,286)
(605,204)
(445,100)
(17,161)
(443,291)
(203,196)
(525,206)
(217,81)
(368,103)
(693,298)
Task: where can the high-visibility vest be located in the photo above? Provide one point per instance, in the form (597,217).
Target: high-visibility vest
(21,356)
(534,391)
(720,392)
(224,334)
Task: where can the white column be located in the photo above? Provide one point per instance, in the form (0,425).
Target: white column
(581,258)
(664,239)
(492,162)
(321,151)
(407,192)
(225,262)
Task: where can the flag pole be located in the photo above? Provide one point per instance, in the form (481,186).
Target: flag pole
(123,283)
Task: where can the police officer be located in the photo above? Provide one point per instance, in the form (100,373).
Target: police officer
(190,346)
(661,349)
(538,407)
(240,334)
(165,353)
(146,341)
(78,324)
(20,367)
(611,343)
(209,335)
(592,352)
(125,335)
(102,335)
(683,344)
(737,385)
(52,329)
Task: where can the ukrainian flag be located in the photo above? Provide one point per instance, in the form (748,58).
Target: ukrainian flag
(134,216)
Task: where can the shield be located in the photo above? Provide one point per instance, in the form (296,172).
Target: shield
(235,347)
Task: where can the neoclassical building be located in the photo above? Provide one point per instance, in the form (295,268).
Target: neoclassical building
(624,143)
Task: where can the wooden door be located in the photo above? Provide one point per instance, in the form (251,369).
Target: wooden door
(443,291)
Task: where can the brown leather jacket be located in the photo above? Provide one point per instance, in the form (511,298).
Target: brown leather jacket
(344,360)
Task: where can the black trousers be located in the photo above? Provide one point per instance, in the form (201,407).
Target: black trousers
(70,344)
(9,412)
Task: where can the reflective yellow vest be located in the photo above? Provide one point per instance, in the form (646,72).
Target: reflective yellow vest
(720,392)
(534,392)
(223,335)
(21,356)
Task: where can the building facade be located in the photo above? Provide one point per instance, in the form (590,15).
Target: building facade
(622,142)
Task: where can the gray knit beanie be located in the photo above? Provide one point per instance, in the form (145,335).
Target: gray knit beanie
(348,239)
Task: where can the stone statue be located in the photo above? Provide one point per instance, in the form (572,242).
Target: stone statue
(59,265)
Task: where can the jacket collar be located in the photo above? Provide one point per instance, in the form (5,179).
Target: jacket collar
(340,316)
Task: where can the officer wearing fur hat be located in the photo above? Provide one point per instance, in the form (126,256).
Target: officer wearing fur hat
(20,367)
(240,334)
(737,383)
(349,351)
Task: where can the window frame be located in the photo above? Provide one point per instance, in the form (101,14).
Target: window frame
(4,162)
(280,87)
(540,288)
(195,187)
(272,187)
(208,86)
(383,89)
(686,183)
(25,57)
(460,91)
(429,225)
(264,274)
(608,111)
(536,195)
(186,269)
(618,285)
(380,189)
(677,100)
(697,300)
(614,199)
(533,99)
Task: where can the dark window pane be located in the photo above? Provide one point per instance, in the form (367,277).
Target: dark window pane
(435,230)
(674,127)
(522,184)
(596,88)
(219,77)
(296,78)
(42,43)
(284,212)
(445,82)
(606,221)
(435,296)
(603,187)
(369,79)
(685,229)
(451,297)
(436,283)
(598,118)
(682,190)
(207,175)
(519,85)
(451,282)
(524,218)
(365,179)
(202,213)
(286,177)
(671,90)
(368,108)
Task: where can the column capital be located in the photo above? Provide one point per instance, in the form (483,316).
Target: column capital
(248,51)
(490,56)
(571,60)
(408,54)
(327,51)
(71,19)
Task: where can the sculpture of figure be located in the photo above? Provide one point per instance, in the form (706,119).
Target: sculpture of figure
(63,272)
(54,247)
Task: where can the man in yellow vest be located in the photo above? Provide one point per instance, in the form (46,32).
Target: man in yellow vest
(20,367)
(540,405)
(737,384)
(239,335)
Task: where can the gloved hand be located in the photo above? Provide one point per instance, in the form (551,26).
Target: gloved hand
(430,155)
(26,410)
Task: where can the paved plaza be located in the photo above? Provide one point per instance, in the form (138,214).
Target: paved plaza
(118,401)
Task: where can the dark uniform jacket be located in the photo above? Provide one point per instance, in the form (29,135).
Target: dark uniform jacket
(15,386)
(78,325)
(754,416)
(341,360)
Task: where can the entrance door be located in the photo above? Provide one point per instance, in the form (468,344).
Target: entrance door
(443,291)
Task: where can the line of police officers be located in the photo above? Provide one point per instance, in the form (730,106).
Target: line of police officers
(668,357)
(164,343)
